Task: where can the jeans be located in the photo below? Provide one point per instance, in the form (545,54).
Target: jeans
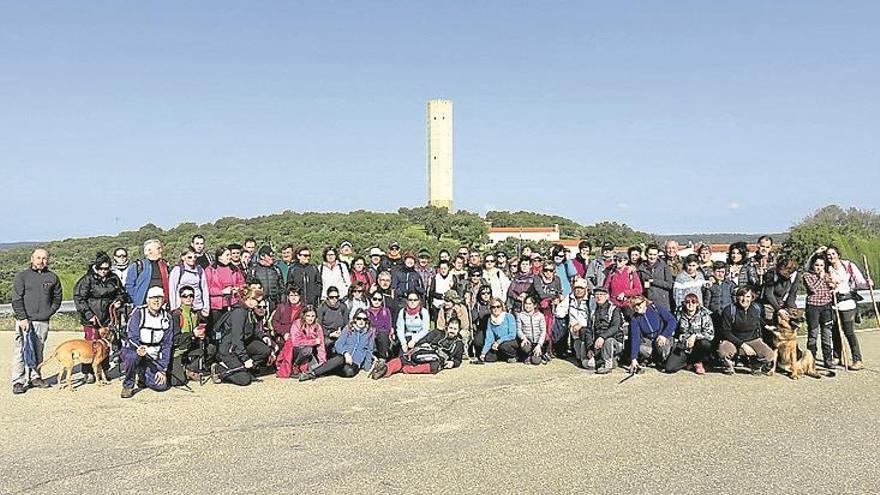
(820,320)
(848,318)
(41,332)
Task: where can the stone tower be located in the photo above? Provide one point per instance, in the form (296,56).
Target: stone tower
(440,154)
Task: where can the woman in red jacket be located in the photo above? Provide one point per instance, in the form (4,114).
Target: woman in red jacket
(623,283)
(306,342)
(224,281)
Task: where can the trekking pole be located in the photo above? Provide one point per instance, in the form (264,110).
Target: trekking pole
(871,289)
(843,358)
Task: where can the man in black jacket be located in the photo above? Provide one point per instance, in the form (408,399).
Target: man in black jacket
(741,327)
(305,275)
(604,333)
(657,278)
(269,276)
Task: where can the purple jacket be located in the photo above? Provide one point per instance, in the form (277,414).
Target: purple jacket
(380,320)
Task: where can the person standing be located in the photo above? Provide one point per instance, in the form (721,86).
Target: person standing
(305,275)
(269,276)
(189,272)
(656,277)
(286,262)
(673,260)
(148,272)
(94,294)
(203,259)
(36,296)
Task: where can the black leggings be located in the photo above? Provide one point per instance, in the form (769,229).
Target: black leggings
(820,320)
(849,331)
(506,350)
(383,345)
(678,358)
(337,364)
(256,350)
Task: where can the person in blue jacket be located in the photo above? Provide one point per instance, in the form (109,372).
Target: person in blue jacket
(501,340)
(650,332)
(353,350)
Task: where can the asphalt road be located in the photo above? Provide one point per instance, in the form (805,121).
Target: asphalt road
(494,428)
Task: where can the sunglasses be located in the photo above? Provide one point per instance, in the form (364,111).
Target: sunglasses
(395,248)
(187,295)
(334,296)
(357,290)
(412,300)
(547,270)
(103,268)
(378,299)
(306,255)
(361,318)
(486,293)
(120,256)
(496,306)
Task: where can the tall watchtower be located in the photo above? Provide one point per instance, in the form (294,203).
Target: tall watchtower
(440,154)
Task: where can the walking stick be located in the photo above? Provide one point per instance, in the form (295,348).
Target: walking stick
(871,289)
(843,346)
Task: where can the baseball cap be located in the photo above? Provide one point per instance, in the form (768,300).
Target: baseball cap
(344,244)
(155,292)
(607,246)
(393,244)
(376,252)
(580,283)
(265,250)
(601,289)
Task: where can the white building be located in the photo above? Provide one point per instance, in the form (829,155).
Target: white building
(440,154)
(498,234)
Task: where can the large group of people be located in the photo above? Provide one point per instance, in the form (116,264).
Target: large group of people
(239,312)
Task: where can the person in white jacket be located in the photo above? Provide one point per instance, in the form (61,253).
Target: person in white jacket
(334,273)
(498,280)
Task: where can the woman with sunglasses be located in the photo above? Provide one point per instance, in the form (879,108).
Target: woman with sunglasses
(413,321)
(188,344)
(479,311)
(287,312)
(188,272)
(93,295)
(334,273)
(241,350)
(500,340)
(352,352)
(380,321)
(356,298)
(847,279)
(224,282)
(333,314)
(360,273)
(693,338)
(520,286)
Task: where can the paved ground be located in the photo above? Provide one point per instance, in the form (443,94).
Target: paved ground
(495,428)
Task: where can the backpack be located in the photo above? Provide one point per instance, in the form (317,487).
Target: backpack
(199,270)
(732,309)
(217,330)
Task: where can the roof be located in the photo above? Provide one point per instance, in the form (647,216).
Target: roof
(517,230)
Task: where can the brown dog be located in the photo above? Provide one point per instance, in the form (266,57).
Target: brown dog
(82,351)
(789,357)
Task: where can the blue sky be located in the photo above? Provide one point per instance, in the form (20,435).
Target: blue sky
(672,117)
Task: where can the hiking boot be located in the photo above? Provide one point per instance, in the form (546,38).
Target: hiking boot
(193,376)
(18,388)
(308,375)
(215,374)
(511,360)
(127,393)
(39,383)
(589,364)
(379,369)
(604,370)
(727,367)
(699,369)
(856,366)
(89,378)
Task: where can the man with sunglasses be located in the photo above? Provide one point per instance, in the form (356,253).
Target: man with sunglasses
(306,276)
(394,258)
(333,314)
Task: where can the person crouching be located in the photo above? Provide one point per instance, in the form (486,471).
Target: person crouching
(148,347)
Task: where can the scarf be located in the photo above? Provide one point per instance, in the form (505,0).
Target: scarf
(414,311)
(497,321)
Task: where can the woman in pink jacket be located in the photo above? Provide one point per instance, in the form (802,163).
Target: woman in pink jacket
(305,343)
(623,283)
(224,281)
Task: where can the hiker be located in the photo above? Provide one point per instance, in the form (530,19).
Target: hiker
(438,350)
(357,299)
(189,273)
(579,317)
(202,258)
(742,324)
(333,314)
(604,334)
(285,263)
(380,322)
(689,281)
(547,288)
(704,251)
(673,260)
(305,275)
(531,329)
(241,351)
(413,322)
(147,350)
(393,258)
(779,289)
(378,263)
(36,296)
(224,282)
(564,268)
(692,343)
(405,280)
(479,317)
(820,316)
(346,253)
(268,274)
(360,273)
(148,272)
(500,340)
(425,270)
(352,352)
(520,286)
(287,312)
(650,332)
(442,282)
(453,308)
(719,294)
(121,263)
(847,279)
(656,277)
(496,277)
(623,283)
(736,263)
(94,294)
(334,273)
(189,350)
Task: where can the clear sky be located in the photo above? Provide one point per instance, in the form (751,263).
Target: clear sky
(673,117)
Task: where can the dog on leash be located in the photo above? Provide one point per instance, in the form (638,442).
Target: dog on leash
(788,356)
(82,351)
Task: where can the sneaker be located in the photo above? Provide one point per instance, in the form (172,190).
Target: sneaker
(379,369)
(215,373)
(193,376)
(511,360)
(727,367)
(856,366)
(18,388)
(699,369)
(127,393)
(604,370)
(308,375)
(39,383)
(89,378)
(590,364)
